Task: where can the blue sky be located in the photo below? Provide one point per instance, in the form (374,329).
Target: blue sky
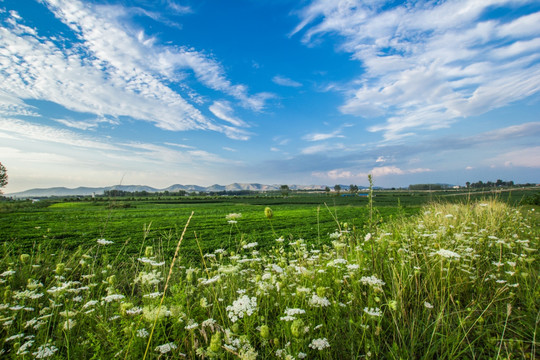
(97,93)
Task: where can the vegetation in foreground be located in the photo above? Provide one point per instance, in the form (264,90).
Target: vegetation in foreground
(456,281)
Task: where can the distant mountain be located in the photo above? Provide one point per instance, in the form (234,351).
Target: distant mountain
(87,191)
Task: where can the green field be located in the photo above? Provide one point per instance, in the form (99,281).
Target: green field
(72,222)
(421,275)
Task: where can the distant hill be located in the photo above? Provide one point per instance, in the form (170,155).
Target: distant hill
(87,191)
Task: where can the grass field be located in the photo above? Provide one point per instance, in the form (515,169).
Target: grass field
(322,278)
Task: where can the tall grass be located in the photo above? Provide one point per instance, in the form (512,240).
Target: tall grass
(456,282)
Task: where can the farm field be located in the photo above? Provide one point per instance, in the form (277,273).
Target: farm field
(414,278)
(71,222)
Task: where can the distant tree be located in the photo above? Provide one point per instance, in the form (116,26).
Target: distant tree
(468,183)
(327,189)
(337,188)
(3,177)
(353,189)
(285,190)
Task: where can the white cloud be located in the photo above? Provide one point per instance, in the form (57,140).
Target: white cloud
(322,148)
(114,70)
(527,157)
(284,81)
(224,111)
(381,171)
(429,64)
(323,136)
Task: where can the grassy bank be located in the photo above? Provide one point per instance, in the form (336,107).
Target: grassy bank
(454,281)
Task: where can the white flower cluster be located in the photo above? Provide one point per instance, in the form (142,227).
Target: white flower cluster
(448,254)
(250,245)
(318,301)
(149,278)
(373,311)
(165,348)
(151,262)
(104,242)
(233,216)
(371,280)
(45,351)
(319,344)
(243,306)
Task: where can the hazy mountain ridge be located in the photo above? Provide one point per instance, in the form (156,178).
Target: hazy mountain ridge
(86,191)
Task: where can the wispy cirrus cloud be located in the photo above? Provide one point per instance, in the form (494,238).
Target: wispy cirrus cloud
(285,81)
(114,69)
(224,111)
(429,64)
(381,171)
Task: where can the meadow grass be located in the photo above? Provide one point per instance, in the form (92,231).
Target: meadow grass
(456,281)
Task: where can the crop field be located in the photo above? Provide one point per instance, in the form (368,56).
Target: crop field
(400,275)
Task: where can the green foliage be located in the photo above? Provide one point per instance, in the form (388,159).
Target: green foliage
(452,281)
(3,177)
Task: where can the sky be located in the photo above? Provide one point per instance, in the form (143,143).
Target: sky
(163,92)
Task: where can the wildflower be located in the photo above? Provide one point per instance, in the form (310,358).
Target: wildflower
(250,245)
(165,348)
(302,355)
(353,267)
(13,337)
(113,297)
(152,295)
(90,303)
(294,311)
(151,313)
(45,351)
(319,344)
(149,278)
(448,254)
(24,347)
(367,237)
(335,235)
(318,301)
(7,273)
(372,280)
(142,333)
(134,311)
(151,262)
(233,216)
(104,242)
(241,307)
(428,305)
(280,239)
(373,311)
(192,325)
(209,323)
(69,324)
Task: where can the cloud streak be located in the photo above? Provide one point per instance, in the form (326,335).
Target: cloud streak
(428,65)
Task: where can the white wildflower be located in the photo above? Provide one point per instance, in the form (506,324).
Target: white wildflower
(233,216)
(142,333)
(165,348)
(448,254)
(372,280)
(244,306)
(152,295)
(373,311)
(250,245)
(104,242)
(113,297)
(45,351)
(319,344)
(428,305)
(318,301)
